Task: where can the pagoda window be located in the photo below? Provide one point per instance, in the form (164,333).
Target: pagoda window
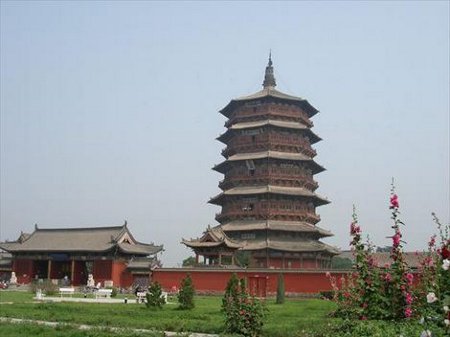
(250,132)
(247,236)
(248,207)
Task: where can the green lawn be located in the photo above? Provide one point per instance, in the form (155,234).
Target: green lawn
(295,318)
(282,320)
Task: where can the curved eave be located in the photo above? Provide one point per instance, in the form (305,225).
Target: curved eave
(274,225)
(295,247)
(15,250)
(198,244)
(255,190)
(270,93)
(140,249)
(222,167)
(274,123)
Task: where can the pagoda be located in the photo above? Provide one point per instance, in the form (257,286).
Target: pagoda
(268,196)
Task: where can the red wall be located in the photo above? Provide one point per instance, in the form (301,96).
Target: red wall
(23,269)
(216,280)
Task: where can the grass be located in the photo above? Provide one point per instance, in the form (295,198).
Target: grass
(282,320)
(16,330)
(294,318)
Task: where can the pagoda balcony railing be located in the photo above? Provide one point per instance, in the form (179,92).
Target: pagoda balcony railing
(287,180)
(264,116)
(264,146)
(271,109)
(274,214)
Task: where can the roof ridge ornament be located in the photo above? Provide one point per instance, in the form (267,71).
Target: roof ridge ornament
(269,78)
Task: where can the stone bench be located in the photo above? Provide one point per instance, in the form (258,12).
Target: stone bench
(66,291)
(106,293)
(141,296)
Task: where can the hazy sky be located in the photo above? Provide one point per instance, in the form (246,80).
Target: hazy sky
(109,110)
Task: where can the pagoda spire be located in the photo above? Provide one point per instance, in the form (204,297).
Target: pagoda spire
(269,78)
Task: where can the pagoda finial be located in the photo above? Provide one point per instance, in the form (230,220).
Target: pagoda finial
(269,78)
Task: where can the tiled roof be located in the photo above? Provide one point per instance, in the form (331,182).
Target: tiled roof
(144,263)
(276,225)
(270,92)
(250,190)
(291,246)
(382,259)
(212,237)
(269,154)
(94,239)
(282,124)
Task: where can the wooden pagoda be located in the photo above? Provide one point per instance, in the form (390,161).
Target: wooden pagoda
(268,194)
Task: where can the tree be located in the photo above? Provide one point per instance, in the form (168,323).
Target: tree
(280,289)
(154,296)
(341,263)
(186,294)
(189,261)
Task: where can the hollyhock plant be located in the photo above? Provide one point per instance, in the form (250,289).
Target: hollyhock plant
(392,292)
(400,289)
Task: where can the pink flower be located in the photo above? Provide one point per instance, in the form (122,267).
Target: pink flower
(354,228)
(363,318)
(394,201)
(396,239)
(409,278)
(388,277)
(408,298)
(408,312)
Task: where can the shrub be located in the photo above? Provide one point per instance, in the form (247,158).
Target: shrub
(46,287)
(280,289)
(186,294)
(244,315)
(155,299)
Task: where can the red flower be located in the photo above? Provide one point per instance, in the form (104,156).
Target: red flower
(445,253)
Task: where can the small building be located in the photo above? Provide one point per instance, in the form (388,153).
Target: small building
(215,247)
(71,254)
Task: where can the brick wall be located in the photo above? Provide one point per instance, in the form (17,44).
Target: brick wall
(261,281)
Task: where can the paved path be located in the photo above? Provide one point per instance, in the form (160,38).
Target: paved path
(89,327)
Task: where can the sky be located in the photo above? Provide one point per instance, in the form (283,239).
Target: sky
(109,110)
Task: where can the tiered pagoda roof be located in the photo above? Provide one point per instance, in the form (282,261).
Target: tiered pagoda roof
(250,190)
(268,193)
